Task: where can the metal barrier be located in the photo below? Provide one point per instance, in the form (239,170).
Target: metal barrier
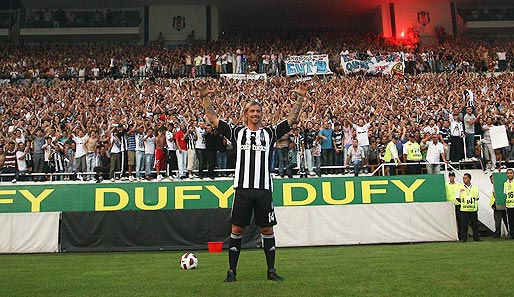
(377,169)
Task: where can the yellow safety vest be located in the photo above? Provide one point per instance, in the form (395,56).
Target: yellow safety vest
(492,199)
(413,151)
(469,198)
(388,156)
(451,192)
(508,188)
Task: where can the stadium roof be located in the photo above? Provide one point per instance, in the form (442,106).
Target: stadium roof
(350,4)
(263,14)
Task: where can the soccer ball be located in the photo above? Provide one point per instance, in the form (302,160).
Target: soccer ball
(188,261)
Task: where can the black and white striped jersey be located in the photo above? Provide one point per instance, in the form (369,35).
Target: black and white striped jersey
(191,141)
(254,150)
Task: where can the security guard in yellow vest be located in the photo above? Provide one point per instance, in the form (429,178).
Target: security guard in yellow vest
(412,155)
(468,198)
(391,155)
(508,190)
(452,188)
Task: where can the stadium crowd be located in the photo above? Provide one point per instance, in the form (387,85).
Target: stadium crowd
(99,111)
(265,52)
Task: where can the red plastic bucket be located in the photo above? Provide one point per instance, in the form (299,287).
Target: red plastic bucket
(215,246)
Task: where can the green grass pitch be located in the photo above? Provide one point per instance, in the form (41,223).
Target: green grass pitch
(425,269)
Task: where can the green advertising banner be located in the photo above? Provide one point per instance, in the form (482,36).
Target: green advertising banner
(499,180)
(218,194)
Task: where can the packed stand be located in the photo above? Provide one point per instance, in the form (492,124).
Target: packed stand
(113,112)
(156,128)
(265,52)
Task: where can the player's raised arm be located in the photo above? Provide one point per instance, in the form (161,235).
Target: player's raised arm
(300,92)
(206,94)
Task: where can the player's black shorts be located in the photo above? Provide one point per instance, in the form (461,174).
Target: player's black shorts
(260,201)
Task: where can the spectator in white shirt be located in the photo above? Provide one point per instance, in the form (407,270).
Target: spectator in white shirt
(115,143)
(456,142)
(149,141)
(80,151)
(435,152)
(21,161)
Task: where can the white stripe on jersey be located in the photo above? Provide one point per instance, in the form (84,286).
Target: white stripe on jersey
(258,153)
(247,165)
(267,176)
(238,138)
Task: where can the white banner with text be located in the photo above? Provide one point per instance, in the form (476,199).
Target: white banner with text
(307,65)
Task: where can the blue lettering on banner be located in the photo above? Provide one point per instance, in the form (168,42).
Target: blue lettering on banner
(393,58)
(291,68)
(308,65)
(300,68)
(357,65)
(321,66)
(374,65)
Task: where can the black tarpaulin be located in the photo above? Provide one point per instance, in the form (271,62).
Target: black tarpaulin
(148,230)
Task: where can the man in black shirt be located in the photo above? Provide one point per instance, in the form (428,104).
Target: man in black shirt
(252,182)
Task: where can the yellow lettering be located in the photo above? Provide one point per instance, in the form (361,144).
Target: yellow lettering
(222,197)
(100,199)
(7,200)
(35,202)
(180,196)
(409,191)
(327,193)
(288,194)
(367,191)
(162,198)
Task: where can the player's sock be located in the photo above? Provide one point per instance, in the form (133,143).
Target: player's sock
(234,250)
(269,249)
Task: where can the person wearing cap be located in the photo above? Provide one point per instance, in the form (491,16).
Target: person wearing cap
(391,155)
(412,155)
(452,188)
(435,152)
